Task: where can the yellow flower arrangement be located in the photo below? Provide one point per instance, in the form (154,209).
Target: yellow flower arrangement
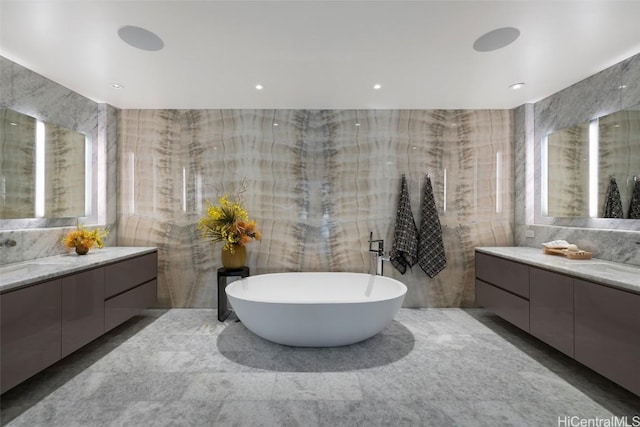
(228,222)
(84,238)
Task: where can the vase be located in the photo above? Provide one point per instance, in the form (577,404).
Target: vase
(81,250)
(235,259)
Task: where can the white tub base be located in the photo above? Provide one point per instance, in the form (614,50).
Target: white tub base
(316,309)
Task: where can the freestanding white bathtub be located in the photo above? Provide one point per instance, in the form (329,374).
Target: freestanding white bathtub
(316,309)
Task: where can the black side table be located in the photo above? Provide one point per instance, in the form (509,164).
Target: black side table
(223,280)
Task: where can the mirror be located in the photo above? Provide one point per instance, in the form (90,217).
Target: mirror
(618,156)
(17,165)
(567,172)
(577,168)
(43,169)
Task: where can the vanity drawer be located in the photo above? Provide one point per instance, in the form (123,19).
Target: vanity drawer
(505,274)
(126,305)
(506,305)
(124,275)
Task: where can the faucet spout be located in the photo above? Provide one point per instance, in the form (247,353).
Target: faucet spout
(378,253)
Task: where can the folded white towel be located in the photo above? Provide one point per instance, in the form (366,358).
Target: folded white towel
(556,244)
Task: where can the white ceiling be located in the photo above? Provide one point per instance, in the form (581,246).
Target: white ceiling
(318,54)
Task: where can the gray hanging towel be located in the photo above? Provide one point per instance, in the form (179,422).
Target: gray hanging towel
(613,204)
(634,207)
(431,256)
(404,252)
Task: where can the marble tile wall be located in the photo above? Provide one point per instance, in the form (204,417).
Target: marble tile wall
(614,89)
(318,182)
(29,93)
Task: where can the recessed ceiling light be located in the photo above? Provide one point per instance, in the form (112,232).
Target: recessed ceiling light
(13,124)
(516,86)
(496,39)
(117,86)
(415,148)
(357,124)
(622,87)
(377,86)
(258,87)
(140,38)
(275,124)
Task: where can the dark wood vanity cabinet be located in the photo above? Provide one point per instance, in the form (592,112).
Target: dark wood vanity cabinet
(82,309)
(551,309)
(44,322)
(597,325)
(607,336)
(30,335)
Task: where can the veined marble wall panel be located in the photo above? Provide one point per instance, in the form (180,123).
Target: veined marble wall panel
(318,181)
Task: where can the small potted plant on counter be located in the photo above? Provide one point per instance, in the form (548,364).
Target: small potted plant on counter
(82,239)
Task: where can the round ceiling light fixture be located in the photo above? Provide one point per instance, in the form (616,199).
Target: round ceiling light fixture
(258,87)
(140,38)
(377,86)
(496,39)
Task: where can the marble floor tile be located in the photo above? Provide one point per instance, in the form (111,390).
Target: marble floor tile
(128,387)
(61,413)
(405,387)
(175,413)
(430,367)
(230,386)
(268,413)
(317,386)
(368,413)
(285,360)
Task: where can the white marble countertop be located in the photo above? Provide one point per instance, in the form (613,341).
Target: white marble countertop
(617,275)
(20,274)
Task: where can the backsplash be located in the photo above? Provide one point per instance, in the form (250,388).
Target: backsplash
(318,182)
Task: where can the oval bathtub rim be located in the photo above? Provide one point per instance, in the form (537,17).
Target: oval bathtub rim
(239,282)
